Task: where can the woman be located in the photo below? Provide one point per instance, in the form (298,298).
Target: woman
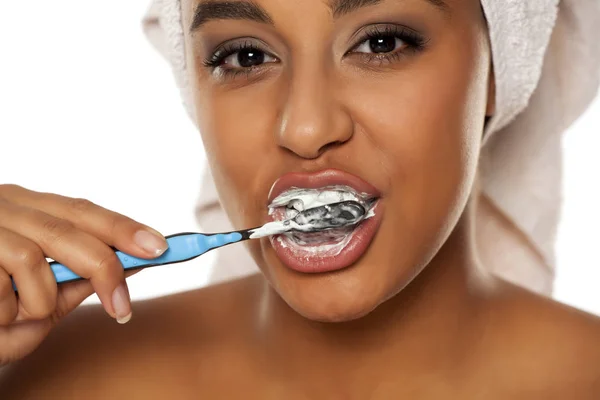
(386,99)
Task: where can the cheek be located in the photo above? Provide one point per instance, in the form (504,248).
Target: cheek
(237,134)
(424,126)
(427,119)
(426,123)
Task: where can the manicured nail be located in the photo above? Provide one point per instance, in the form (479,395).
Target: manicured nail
(121,304)
(151,242)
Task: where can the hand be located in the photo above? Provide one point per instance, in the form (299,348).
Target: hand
(76,233)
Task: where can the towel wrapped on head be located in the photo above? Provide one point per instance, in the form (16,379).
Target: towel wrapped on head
(546,57)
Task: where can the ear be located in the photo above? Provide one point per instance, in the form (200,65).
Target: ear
(491,100)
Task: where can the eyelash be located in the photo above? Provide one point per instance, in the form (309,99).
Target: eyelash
(228,49)
(414,43)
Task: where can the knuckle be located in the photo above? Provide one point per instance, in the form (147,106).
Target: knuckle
(55,228)
(42,310)
(78,206)
(7,187)
(106,263)
(30,257)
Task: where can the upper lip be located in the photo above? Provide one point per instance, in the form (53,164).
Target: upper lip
(321,179)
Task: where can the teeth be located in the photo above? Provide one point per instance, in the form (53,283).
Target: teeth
(293,208)
(297,205)
(291,213)
(301,199)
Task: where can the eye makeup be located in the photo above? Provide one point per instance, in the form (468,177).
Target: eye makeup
(373,45)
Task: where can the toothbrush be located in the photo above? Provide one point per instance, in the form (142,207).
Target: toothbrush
(187,246)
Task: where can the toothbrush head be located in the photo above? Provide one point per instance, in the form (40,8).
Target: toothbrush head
(322,218)
(329,216)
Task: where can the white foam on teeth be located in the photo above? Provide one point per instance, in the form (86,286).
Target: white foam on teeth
(303,199)
(323,250)
(296,200)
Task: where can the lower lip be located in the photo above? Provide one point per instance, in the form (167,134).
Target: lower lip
(310,260)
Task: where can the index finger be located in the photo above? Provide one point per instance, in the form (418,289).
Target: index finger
(112,228)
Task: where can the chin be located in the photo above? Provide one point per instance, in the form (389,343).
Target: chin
(336,297)
(347,294)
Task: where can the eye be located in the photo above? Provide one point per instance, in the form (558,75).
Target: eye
(386,43)
(247,58)
(238,57)
(381,44)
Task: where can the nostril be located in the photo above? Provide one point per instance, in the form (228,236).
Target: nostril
(330,146)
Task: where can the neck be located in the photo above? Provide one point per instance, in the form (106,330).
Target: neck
(429,324)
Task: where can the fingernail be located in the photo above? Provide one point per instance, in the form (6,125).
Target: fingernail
(122,304)
(151,242)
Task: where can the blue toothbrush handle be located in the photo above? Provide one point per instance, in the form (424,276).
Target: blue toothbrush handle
(182,247)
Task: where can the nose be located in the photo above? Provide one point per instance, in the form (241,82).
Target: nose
(312,118)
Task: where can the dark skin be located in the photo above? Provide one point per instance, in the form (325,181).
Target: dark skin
(416,316)
(515,349)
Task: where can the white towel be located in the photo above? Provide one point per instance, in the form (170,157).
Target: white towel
(547,69)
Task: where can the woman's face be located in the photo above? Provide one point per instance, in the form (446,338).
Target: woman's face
(379,97)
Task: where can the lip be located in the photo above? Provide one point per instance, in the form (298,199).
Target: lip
(306,259)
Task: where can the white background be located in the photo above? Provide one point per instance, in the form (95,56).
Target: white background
(88,109)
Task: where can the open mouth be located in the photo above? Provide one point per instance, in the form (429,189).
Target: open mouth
(334,247)
(296,200)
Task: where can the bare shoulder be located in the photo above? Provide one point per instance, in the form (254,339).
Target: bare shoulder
(545,346)
(166,345)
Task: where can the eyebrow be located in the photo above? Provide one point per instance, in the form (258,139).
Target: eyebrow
(343,7)
(210,10)
(217,9)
